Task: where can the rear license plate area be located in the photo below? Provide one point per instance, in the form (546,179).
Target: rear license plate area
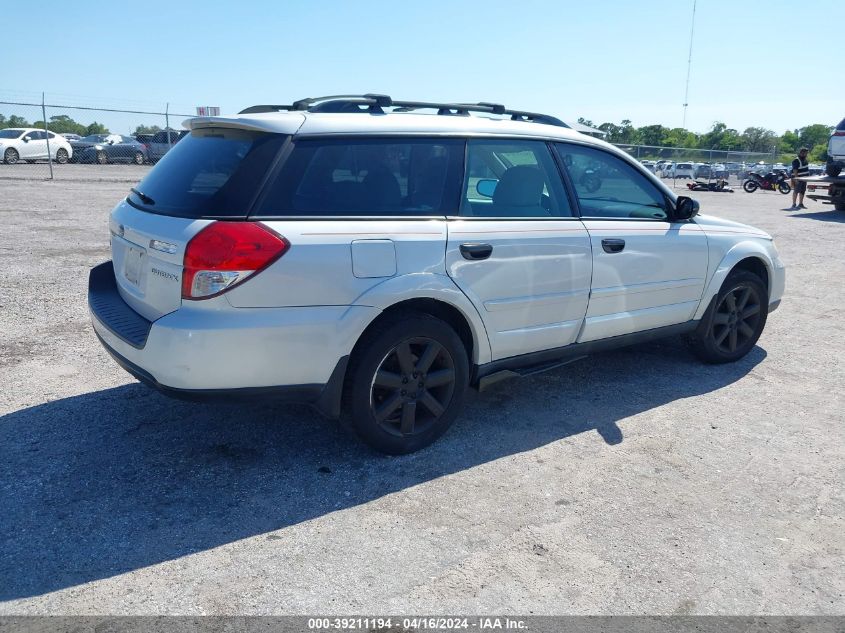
(132,265)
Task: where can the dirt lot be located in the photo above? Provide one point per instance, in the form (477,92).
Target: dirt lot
(638,481)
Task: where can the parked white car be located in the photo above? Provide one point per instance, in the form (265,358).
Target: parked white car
(30,144)
(683,170)
(379,266)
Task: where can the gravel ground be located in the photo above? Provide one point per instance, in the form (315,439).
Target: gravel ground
(632,482)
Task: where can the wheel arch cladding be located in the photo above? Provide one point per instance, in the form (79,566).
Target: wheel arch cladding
(746,255)
(433,307)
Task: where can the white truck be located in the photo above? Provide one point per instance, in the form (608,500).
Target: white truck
(830,188)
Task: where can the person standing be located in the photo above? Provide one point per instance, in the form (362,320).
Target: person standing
(800,167)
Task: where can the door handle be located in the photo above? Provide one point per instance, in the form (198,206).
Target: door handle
(475,252)
(613,245)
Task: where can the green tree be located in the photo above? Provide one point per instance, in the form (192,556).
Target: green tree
(651,134)
(149,129)
(789,141)
(17,121)
(96,128)
(758,139)
(812,135)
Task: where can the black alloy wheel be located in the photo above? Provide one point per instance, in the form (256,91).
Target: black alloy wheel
(102,158)
(407,381)
(412,387)
(732,325)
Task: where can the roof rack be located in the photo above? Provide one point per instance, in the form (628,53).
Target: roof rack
(375,104)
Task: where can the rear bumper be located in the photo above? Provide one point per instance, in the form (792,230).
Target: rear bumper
(201,354)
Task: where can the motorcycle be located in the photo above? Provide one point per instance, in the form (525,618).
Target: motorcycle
(769,182)
(716,185)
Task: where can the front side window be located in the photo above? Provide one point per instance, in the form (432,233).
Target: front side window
(512,178)
(608,186)
(364,177)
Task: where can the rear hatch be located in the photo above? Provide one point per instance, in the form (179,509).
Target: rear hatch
(213,174)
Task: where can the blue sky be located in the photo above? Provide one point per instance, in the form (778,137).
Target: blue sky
(754,63)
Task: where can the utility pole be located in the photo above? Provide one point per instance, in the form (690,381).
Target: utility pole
(689,65)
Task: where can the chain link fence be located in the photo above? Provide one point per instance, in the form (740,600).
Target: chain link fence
(47,138)
(682,166)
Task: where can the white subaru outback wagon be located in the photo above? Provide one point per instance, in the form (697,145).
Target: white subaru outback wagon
(377,258)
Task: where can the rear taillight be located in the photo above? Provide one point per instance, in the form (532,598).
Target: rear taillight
(224,254)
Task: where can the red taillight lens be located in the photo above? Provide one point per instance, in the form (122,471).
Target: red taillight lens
(223,254)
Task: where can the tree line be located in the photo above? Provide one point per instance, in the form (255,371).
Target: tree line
(63,124)
(721,137)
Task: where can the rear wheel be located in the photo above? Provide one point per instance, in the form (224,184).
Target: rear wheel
(102,159)
(731,327)
(406,383)
(750,186)
(61,156)
(11,156)
(138,159)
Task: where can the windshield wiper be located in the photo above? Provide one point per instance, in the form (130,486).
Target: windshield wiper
(144,197)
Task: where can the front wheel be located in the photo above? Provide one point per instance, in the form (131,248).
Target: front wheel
(406,383)
(732,325)
(784,187)
(102,158)
(138,159)
(11,156)
(750,186)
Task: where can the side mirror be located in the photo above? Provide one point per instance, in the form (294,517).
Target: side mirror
(25,139)
(685,208)
(486,187)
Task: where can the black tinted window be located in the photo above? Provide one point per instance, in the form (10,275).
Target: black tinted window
(610,187)
(512,179)
(213,172)
(402,177)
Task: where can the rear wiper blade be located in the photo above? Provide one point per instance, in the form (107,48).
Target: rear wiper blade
(144,197)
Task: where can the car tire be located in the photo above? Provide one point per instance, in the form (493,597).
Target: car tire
(11,156)
(61,156)
(406,383)
(734,321)
(138,159)
(101,158)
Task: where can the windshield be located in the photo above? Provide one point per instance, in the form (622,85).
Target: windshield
(95,138)
(212,172)
(10,133)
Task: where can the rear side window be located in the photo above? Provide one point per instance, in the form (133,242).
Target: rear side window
(367,177)
(212,173)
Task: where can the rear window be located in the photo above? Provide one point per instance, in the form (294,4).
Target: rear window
(841,126)
(212,173)
(368,177)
